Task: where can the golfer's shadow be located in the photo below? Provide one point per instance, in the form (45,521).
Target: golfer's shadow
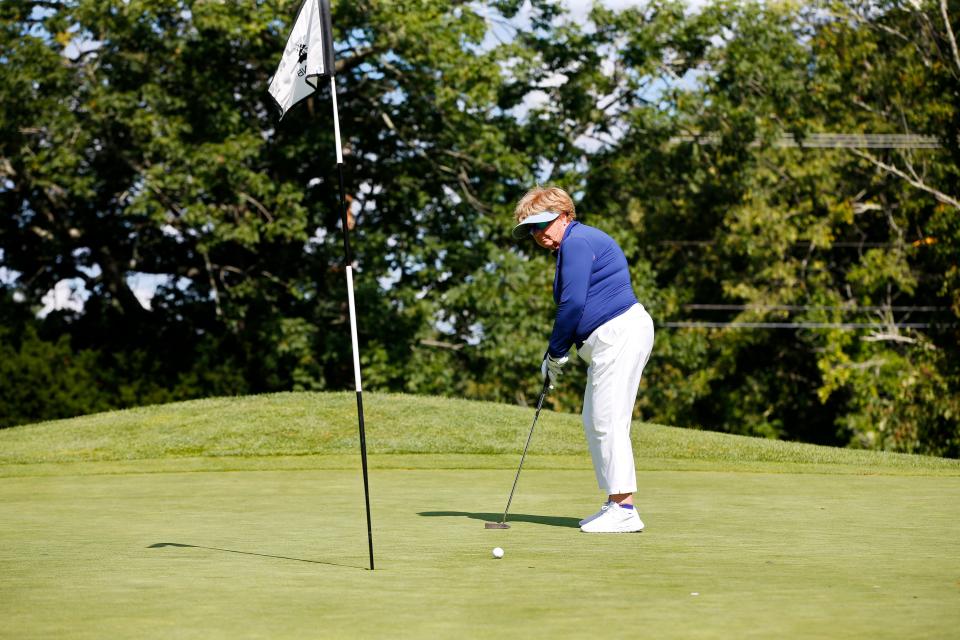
(550,521)
(159,545)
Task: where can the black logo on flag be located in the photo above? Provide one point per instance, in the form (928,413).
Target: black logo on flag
(301,58)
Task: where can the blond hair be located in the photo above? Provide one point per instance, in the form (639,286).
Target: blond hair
(543,199)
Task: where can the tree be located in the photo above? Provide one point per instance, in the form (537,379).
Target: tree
(799,235)
(138,138)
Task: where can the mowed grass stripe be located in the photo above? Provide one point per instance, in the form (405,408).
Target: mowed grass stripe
(319,430)
(113,531)
(283,555)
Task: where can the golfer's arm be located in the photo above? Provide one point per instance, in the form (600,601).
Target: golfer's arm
(575,280)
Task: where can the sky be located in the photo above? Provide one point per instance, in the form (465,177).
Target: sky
(580,8)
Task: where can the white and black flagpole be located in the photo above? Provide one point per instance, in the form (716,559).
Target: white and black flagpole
(308,57)
(353,312)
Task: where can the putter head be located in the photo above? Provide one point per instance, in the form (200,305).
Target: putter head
(495,525)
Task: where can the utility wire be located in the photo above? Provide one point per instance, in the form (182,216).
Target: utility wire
(847,326)
(843,244)
(790,307)
(831,141)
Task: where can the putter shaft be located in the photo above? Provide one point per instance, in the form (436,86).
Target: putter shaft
(503,522)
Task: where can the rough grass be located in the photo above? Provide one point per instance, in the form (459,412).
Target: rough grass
(235,433)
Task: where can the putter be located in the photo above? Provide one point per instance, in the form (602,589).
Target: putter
(503,521)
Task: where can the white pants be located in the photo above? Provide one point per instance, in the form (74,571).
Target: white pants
(617,352)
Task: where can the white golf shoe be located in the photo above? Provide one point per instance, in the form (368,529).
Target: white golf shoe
(606,505)
(614,519)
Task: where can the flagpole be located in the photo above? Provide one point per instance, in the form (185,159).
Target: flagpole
(307,57)
(353,313)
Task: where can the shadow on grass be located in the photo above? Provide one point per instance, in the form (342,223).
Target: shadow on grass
(552,521)
(158,545)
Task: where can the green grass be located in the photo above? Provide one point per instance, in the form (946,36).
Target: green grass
(243,517)
(238,433)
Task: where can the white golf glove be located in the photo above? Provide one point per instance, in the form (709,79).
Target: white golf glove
(553,367)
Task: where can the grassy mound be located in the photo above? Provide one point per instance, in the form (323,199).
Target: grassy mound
(306,430)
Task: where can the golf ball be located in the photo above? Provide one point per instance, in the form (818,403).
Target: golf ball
(497,552)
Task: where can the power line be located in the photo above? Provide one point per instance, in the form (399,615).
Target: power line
(831,141)
(839,244)
(800,325)
(789,307)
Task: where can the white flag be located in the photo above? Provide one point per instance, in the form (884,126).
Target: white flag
(304,61)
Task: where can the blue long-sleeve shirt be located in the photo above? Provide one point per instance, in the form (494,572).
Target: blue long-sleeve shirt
(591,286)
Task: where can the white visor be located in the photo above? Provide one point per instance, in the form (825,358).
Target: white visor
(522,230)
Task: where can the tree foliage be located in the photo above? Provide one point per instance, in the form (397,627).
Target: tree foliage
(822,237)
(137,139)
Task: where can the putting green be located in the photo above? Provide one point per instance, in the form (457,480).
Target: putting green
(282,553)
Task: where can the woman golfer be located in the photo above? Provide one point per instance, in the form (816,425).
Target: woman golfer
(598,311)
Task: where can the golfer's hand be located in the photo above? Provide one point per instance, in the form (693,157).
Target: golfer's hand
(553,367)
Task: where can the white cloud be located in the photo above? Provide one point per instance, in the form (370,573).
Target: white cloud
(144,285)
(72,293)
(7,276)
(66,294)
